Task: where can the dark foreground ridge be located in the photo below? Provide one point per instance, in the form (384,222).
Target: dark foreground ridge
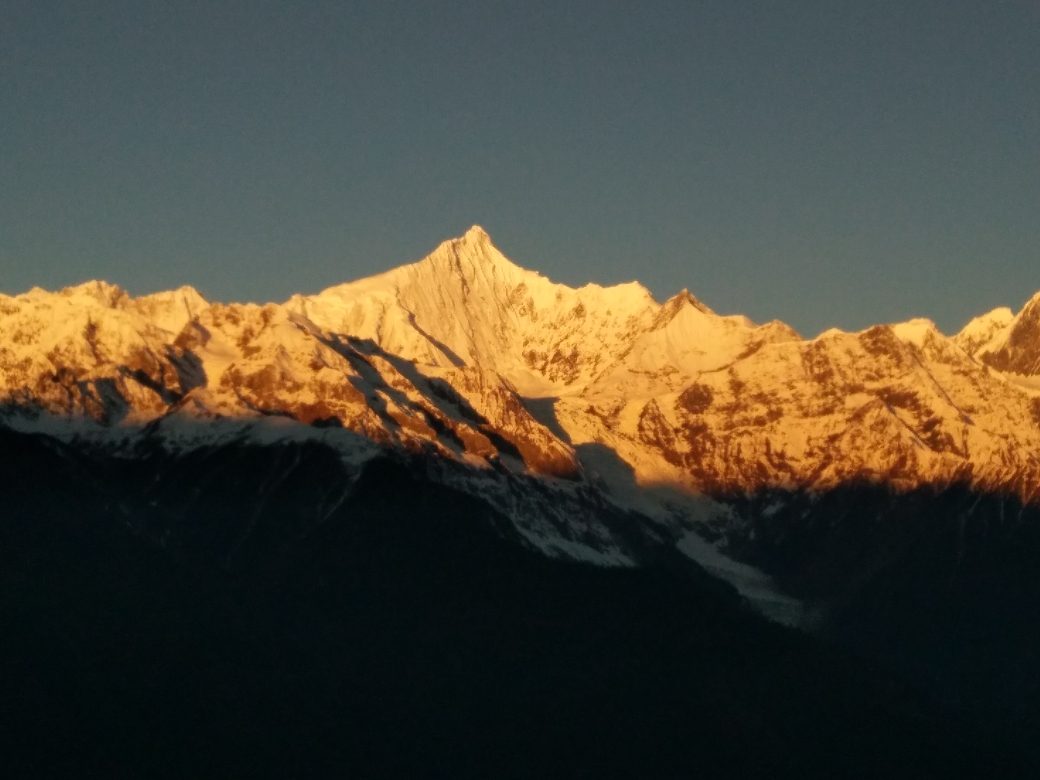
(940,583)
(238,612)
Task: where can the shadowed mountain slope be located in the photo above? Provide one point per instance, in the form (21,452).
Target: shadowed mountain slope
(403,633)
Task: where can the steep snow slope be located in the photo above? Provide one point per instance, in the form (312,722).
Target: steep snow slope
(171,310)
(1016,347)
(467,305)
(984,330)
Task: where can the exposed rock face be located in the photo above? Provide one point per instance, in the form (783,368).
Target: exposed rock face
(485,365)
(903,406)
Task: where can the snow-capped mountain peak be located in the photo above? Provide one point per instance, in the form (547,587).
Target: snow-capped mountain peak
(978,334)
(467,304)
(674,305)
(475,361)
(106,294)
(917,331)
(1014,345)
(170,310)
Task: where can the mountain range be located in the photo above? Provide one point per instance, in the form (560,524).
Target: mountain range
(877,490)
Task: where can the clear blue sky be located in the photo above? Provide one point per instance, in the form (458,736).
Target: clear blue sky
(826,163)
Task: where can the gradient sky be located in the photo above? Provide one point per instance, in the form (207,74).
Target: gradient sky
(826,163)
